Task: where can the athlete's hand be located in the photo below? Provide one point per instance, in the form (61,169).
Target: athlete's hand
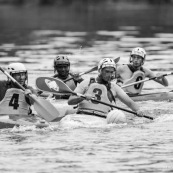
(120,84)
(140,113)
(27,92)
(50,96)
(88,97)
(77,77)
(159,76)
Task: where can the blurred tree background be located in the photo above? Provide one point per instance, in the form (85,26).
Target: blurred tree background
(59,2)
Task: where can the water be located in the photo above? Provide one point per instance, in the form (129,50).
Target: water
(144,146)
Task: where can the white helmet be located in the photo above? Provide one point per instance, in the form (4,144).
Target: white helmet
(16,68)
(138,51)
(106,62)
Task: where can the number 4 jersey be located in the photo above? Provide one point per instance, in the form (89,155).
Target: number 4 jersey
(14,103)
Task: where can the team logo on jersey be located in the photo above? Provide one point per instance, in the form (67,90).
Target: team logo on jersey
(52,85)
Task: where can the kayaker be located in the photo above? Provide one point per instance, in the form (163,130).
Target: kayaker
(104,89)
(135,71)
(13,99)
(62,71)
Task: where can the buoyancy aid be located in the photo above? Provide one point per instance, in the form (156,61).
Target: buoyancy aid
(101,92)
(14,103)
(137,76)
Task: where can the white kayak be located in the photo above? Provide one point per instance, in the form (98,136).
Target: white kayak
(85,120)
(68,114)
(11,121)
(82,120)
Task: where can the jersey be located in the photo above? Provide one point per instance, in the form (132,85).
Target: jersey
(126,74)
(14,103)
(99,91)
(137,88)
(4,87)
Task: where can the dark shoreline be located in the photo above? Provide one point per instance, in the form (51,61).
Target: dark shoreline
(70,2)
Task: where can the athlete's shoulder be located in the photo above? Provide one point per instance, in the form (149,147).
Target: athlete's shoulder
(148,72)
(83,86)
(122,67)
(3,88)
(85,82)
(3,82)
(114,85)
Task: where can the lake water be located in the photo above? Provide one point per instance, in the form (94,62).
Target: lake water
(35,36)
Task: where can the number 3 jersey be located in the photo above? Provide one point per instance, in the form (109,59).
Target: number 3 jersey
(99,92)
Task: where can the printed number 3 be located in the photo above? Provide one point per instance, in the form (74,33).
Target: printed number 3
(14,102)
(98,93)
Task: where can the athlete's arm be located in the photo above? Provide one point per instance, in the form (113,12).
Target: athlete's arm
(81,88)
(162,80)
(76,77)
(123,97)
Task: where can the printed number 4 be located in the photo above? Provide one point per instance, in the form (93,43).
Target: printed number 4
(14,102)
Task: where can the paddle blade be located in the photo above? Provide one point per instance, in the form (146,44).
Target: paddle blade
(116,60)
(45,109)
(52,85)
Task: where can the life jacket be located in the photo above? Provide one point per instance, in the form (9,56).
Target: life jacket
(100,92)
(14,103)
(109,91)
(137,76)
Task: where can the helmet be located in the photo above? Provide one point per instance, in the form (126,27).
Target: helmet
(61,59)
(138,51)
(16,68)
(106,62)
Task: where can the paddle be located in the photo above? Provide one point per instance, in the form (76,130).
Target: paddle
(63,88)
(43,107)
(145,80)
(88,71)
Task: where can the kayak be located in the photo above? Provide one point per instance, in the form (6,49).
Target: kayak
(88,120)
(82,120)
(68,121)
(10,121)
(157,96)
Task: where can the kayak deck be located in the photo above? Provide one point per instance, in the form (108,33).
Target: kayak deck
(9,122)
